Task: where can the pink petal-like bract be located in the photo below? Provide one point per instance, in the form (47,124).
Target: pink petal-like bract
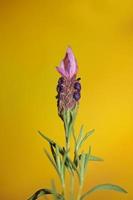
(68,66)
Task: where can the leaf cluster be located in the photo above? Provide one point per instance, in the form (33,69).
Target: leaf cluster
(62,162)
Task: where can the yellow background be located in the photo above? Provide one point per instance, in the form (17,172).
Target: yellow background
(34,36)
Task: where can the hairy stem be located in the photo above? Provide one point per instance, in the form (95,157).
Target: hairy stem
(71,187)
(80,191)
(63,191)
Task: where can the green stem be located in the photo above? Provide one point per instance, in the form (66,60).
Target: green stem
(72,187)
(67,145)
(80,191)
(66,131)
(63,191)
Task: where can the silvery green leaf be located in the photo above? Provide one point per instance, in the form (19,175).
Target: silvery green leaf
(76,159)
(43,192)
(87,156)
(58,163)
(70,166)
(74,137)
(95,158)
(85,137)
(70,122)
(46,138)
(82,168)
(79,138)
(40,193)
(53,152)
(63,163)
(52,161)
(73,168)
(51,142)
(103,187)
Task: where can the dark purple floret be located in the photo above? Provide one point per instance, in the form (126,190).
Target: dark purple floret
(77,86)
(68,93)
(61,80)
(59,88)
(76,96)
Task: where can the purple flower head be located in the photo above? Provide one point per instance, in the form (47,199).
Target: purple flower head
(68,87)
(68,66)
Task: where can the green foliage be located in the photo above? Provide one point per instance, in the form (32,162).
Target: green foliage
(103,187)
(52,161)
(81,139)
(43,192)
(61,161)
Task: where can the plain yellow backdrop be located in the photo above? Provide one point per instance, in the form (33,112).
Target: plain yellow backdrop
(34,36)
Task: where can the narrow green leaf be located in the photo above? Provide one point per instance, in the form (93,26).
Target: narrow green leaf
(63,163)
(40,193)
(76,159)
(74,137)
(95,158)
(46,138)
(52,161)
(51,142)
(82,168)
(74,112)
(86,136)
(79,138)
(53,152)
(103,187)
(70,122)
(91,158)
(72,164)
(58,158)
(87,156)
(65,123)
(43,192)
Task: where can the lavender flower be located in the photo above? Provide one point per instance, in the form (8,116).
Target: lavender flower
(68,87)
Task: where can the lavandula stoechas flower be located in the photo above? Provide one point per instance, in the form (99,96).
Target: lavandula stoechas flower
(68,87)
